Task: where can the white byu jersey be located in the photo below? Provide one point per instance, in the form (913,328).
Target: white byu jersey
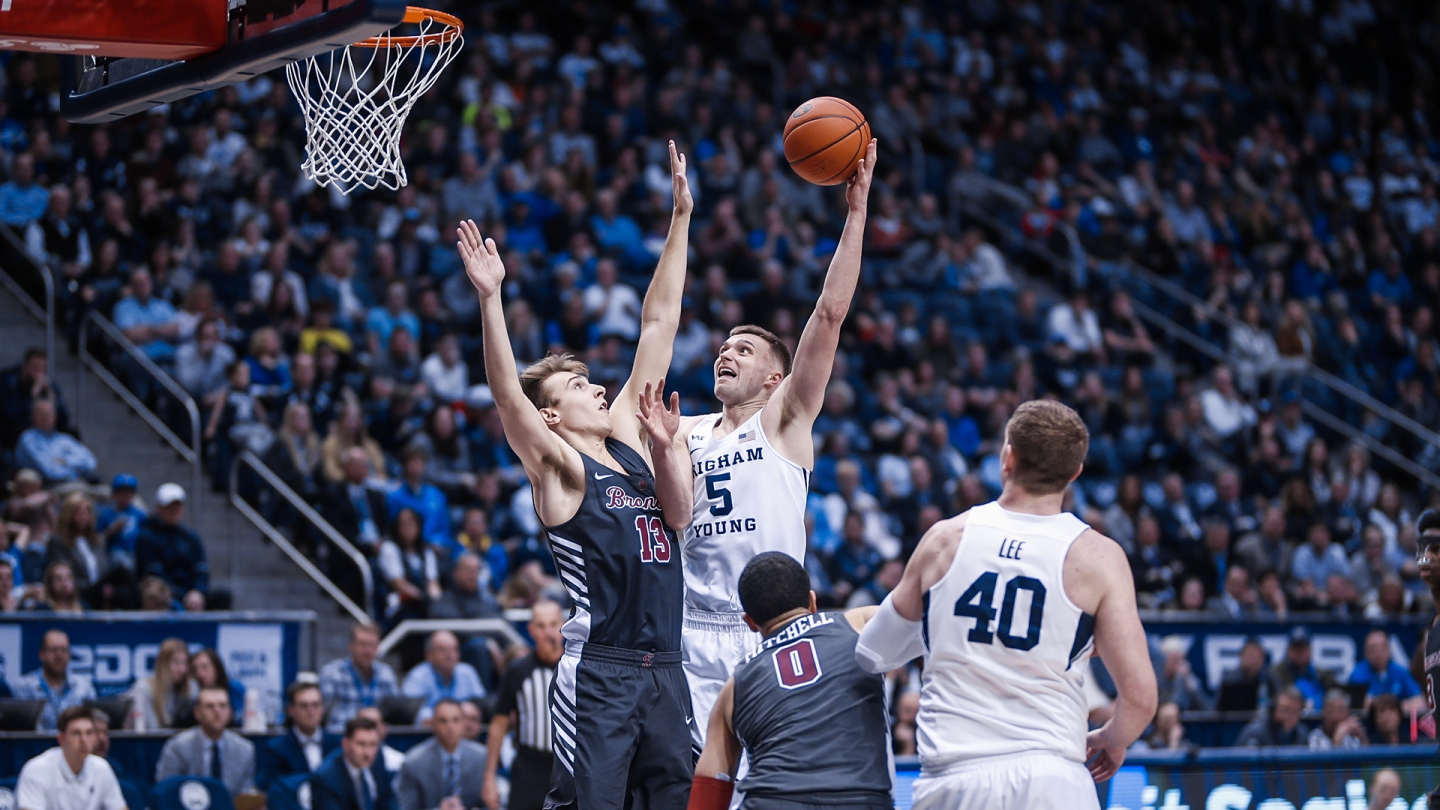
(748,500)
(1008,650)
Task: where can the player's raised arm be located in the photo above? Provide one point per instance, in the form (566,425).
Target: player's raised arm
(803,393)
(674,480)
(660,313)
(539,449)
(1120,642)
(715,772)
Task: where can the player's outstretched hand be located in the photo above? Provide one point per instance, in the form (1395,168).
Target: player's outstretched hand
(482,259)
(857,188)
(1102,756)
(679,184)
(660,422)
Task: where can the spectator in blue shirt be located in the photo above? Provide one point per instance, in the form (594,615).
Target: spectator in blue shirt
(22,201)
(1390,286)
(427,501)
(53,681)
(119,523)
(617,234)
(1314,562)
(381,321)
(1385,677)
(443,675)
(147,321)
(59,457)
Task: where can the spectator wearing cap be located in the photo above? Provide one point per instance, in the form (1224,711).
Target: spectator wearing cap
(175,553)
(1298,670)
(20,386)
(53,682)
(426,499)
(69,777)
(357,681)
(1383,676)
(59,457)
(119,522)
(442,675)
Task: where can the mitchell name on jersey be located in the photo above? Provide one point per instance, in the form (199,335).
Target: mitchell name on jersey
(794,630)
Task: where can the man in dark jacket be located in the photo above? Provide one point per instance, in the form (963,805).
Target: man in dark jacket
(20,386)
(346,781)
(1280,726)
(175,553)
(303,746)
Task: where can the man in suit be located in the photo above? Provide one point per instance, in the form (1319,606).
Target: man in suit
(447,771)
(347,781)
(209,749)
(304,745)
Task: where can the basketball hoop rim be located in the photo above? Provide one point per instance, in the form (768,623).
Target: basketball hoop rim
(413,15)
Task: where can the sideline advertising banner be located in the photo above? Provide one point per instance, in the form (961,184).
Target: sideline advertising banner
(261,651)
(1214,647)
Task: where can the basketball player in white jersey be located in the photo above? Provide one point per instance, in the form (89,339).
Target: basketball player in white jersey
(750,464)
(1007,602)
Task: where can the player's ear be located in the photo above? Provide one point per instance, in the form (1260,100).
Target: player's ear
(813,607)
(750,623)
(551,416)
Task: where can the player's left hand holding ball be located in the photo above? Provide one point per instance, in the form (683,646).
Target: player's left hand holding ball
(1103,757)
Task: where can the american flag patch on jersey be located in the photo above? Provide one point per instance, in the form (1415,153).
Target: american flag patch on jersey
(747,436)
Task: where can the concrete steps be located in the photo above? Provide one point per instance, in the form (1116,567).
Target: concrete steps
(260,576)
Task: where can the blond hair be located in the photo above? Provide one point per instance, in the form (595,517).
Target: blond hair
(161,687)
(532,379)
(1049,442)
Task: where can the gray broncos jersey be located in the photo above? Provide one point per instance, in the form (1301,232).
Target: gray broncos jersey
(792,694)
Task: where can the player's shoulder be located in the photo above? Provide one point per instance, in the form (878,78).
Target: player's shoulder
(937,547)
(1094,566)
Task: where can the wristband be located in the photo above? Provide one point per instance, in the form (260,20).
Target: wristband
(708,793)
(889,640)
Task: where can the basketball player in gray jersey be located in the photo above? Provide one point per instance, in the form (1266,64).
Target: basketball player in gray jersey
(749,466)
(812,721)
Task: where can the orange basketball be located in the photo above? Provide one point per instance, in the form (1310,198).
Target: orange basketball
(824,140)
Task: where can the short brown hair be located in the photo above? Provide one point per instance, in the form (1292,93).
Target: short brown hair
(355,724)
(293,690)
(777,346)
(1049,441)
(72,714)
(532,379)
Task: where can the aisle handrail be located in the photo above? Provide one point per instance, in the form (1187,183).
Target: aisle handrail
(249,459)
(191,452)
(14,252)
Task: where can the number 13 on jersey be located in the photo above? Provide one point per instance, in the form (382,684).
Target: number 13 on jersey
(654,542)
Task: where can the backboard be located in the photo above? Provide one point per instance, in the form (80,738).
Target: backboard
(133,55)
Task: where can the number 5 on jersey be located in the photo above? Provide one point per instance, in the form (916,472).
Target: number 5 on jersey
(654,542)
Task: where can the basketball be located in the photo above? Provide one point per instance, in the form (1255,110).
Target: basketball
(824,140)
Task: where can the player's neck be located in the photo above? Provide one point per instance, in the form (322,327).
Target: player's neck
(590,445)
(783,619)
(737,414)
(1014,499)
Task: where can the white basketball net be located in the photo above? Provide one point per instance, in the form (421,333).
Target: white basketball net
(356,100)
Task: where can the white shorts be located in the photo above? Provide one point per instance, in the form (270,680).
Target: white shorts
(1020,782)
(712,645)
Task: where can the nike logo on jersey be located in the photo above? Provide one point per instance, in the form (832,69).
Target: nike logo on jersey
(599,477)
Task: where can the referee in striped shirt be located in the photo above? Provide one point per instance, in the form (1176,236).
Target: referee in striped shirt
(524,696)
